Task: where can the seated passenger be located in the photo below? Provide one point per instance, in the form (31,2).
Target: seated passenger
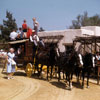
(24,28)
(29,32)
(14,35)
(20,32)
(34,38)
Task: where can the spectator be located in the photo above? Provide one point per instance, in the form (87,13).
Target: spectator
(11,63)
(24,28)
(29,32)
(13,35)
(36,25)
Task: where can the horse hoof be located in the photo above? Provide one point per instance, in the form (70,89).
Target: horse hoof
(88,87)
(78,81)
(69,88)
(82,87)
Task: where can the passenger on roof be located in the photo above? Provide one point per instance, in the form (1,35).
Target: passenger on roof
(24,28)
(14,35)
(29,32)
(20,32)
(36,25)
(34,38)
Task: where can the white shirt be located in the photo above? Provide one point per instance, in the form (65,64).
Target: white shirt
(98,57)
(35,38)
(93,60)
(10,58)
(80,57)
(36,24)
(13,35)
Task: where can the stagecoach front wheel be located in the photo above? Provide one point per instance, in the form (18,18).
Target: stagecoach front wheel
(16,68)
(29,70)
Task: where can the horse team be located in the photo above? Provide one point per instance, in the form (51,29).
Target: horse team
(68,62)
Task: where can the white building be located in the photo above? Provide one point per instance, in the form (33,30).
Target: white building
(70,34)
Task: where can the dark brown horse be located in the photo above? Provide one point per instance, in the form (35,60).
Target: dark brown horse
(87,67)
(67,63)
(46,56)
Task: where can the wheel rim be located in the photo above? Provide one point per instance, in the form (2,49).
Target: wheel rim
(29,69)
(16,68)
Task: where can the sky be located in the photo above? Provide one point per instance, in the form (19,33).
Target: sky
(51,14)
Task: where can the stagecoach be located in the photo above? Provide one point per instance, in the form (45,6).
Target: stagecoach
(26,59)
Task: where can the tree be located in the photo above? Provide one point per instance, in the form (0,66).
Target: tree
(41,29)
(84,20)
(8,26)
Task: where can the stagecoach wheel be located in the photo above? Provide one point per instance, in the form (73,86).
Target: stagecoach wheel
(16,68)
(33,66)
(29,70)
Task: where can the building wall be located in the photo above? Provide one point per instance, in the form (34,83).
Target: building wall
(70,34)
(94,29)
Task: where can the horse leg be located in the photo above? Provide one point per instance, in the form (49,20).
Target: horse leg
(71,77)
(41,71)
(59,77)
(63,75)
(88,76)
(83,76)
(78,75)
(47,71)
(51,71)
(70,82)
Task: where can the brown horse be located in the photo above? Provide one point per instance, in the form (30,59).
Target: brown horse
(46,56)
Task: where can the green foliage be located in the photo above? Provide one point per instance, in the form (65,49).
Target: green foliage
(8,26)
(84,20)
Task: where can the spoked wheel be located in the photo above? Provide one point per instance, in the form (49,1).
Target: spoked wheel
(29,70)
(16,68)
(44,68)
(34,69)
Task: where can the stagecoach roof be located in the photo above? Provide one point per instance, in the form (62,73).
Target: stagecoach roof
(18,41)
(87,39)
(52,39)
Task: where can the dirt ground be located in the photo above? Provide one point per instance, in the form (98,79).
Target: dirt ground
(23,88)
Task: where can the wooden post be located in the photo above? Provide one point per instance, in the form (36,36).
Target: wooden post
(95,46)
(91,47)
(84,47)
(98,66)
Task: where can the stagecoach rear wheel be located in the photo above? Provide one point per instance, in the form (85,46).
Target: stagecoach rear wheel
(29,70)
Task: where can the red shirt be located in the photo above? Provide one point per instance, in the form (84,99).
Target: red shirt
(29,32)
(24,26)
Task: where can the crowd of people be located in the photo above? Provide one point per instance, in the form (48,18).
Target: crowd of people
(26,32)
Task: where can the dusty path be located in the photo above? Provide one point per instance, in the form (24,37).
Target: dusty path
(23,88)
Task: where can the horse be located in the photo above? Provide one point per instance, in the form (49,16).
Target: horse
(79,66)
(68,63)
(88,64)
(46,56)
